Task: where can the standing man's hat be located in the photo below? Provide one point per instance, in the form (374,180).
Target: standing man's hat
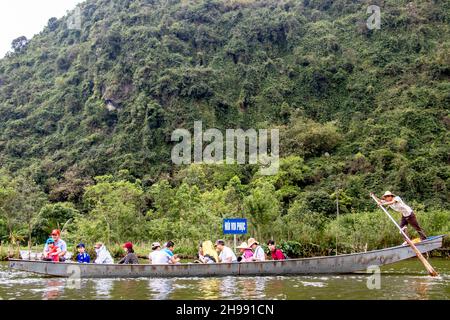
(388,193)
(81,245)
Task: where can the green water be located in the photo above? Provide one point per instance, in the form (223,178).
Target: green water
(404,280)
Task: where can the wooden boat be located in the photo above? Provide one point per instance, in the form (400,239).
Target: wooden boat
(341,264)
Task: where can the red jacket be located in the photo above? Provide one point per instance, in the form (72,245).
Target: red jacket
(277,254)
(53,253)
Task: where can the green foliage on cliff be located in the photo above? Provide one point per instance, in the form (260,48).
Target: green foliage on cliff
(358,110)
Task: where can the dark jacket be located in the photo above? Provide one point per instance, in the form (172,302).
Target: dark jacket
(130,258)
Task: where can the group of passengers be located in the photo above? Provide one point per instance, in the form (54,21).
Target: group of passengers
(250,251)
(55,250)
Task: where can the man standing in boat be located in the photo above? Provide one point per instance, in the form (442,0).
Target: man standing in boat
(408,217)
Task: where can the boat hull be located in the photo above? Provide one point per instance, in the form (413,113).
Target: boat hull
(341,264)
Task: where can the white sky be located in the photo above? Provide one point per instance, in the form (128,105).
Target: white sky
(28,17)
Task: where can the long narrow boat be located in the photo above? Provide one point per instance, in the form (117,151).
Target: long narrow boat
(346,263)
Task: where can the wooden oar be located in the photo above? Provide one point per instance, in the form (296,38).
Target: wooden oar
(425,262)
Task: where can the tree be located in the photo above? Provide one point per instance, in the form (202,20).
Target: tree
(71,187)
(9,203)
(262,206)
(161,196)
(115,211)
(308,138)
(234,196)
(31,200)
(54,216)
(19,44)
(20,201)
(52,24)
(318,202)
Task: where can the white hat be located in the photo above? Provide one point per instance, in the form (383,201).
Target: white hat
(388,193)
(155,245)
(243,246)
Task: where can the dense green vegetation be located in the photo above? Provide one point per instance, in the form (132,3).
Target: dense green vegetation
(86,118)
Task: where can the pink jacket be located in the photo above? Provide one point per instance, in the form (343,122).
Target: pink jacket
(247,255)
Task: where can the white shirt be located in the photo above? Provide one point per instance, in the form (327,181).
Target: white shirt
(401,207)
(103,256)
(227,253)
(259,254)
(158,257)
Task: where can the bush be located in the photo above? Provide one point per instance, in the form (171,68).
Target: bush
(308,138)
(373,230)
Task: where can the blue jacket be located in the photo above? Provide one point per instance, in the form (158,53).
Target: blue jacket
(83,258)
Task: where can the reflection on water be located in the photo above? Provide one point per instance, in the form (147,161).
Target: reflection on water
(250,288)
(228,287)
(160,288)
(210,287)
(103,288)
(421,289)
(405,280)
(54,289)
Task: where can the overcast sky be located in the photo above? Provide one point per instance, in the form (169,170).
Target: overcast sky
(28,17)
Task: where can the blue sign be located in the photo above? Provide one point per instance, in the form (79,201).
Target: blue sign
(234,226)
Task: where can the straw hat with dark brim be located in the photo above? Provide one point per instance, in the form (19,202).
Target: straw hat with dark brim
(252,241)
(387,193)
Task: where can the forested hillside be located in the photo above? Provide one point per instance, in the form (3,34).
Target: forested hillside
(86,117)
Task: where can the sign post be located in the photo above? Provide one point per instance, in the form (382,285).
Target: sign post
(235,227)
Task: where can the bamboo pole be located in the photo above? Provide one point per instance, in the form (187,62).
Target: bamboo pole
(427,265)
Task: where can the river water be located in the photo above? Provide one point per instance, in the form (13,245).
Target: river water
(403,280)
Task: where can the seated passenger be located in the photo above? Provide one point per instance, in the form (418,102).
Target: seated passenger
(207,254)
(168,255)
(258,251)
(226,254)
(51,251)
(60,243)
(246,253)
(276,253)
(83,256)
(130,257)
(103,255)
(157,256)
